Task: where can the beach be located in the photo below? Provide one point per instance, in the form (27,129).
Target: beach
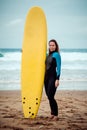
(71,95)
(72,112)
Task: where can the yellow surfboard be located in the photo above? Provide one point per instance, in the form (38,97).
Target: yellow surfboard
(33,61)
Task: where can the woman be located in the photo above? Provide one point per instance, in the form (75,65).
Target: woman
(52,75)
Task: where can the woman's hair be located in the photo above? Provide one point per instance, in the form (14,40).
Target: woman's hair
(57,46)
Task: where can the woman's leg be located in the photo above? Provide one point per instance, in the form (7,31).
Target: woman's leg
(50,91)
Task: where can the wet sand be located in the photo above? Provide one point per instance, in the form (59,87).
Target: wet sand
(72,112)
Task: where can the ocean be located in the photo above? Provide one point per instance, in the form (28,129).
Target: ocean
(73,70)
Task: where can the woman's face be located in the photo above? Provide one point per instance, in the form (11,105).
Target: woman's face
(52,46)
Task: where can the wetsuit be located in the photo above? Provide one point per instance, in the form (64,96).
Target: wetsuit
(53,68)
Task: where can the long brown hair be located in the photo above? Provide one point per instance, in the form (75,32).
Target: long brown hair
(57,46)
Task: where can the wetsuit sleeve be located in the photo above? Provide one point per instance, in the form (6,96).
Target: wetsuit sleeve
(58,63)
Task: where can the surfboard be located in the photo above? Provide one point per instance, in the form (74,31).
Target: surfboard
(33,61)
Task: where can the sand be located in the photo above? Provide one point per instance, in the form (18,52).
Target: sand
(72,112)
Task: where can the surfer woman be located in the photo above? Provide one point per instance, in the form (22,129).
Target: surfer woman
(52,75)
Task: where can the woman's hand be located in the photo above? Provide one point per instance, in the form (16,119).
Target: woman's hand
(56,83)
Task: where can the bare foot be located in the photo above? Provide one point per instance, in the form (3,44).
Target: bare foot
(55,118)
(52,116)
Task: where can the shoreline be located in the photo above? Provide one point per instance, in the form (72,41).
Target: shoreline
(72,112)
(66,85)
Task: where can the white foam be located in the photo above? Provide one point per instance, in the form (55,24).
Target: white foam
(74,56)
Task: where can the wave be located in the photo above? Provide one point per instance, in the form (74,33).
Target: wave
(12,56)
(74,56)
(11,60)
(1,55)
(74,67)
(65,56)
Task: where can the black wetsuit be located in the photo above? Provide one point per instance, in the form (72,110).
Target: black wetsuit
(53,61)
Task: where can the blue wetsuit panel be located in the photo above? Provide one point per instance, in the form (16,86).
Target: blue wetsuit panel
(57,56)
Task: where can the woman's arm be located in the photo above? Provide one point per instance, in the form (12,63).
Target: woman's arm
(58,62)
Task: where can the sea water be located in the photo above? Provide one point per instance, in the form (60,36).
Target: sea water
(73,69)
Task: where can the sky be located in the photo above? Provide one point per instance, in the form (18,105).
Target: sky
(66,21)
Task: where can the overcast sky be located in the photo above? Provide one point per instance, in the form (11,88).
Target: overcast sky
(66,21)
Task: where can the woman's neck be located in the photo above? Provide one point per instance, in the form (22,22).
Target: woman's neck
(51,52)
